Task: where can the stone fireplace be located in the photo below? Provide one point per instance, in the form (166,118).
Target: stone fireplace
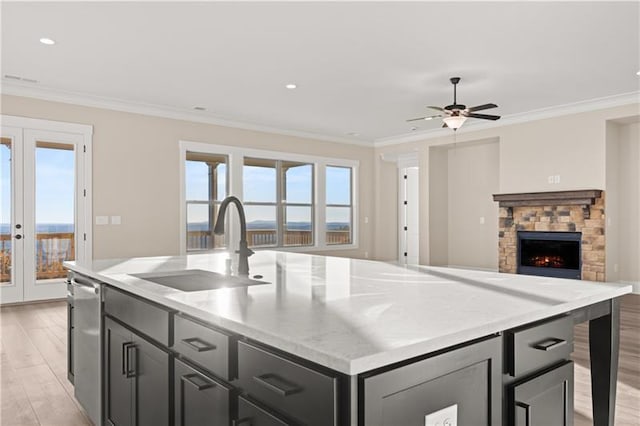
(564,220)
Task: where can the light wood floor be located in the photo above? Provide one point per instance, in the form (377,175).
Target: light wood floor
(33,368)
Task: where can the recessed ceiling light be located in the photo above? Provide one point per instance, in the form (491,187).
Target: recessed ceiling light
(47,41)
(199,108)
(638,73)
(291,86)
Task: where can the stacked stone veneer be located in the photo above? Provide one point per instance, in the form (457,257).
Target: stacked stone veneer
(555,218)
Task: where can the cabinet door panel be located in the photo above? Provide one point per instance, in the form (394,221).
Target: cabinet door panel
(469,377)
(544,400)
(150,366)
(118,390)
(199,399)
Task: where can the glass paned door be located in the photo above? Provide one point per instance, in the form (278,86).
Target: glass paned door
(11,241)
(41,219)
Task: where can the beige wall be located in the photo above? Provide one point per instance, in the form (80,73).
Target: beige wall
(136,172)
(462,178)
(572,146)
(472,178)
(623,201)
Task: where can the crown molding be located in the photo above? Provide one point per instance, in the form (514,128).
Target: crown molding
(539,114)
(47,94)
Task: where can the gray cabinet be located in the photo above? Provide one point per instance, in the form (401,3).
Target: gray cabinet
(286,386)
(546,399)
(250,414)
(199,399)
(467,380)
(136,388)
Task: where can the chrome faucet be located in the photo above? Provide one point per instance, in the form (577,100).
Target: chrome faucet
(244,251)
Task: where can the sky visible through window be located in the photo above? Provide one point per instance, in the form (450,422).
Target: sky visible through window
(259,185)
(54,196)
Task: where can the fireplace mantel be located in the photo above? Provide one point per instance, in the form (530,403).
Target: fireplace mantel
(584,198)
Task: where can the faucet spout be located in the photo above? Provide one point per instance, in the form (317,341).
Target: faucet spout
(243,251)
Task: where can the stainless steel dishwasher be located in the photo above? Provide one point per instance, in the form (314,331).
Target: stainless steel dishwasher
(87,345)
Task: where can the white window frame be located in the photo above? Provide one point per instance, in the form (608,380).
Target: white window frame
(236,157)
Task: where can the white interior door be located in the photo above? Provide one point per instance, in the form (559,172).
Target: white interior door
(44,220)
(409,232)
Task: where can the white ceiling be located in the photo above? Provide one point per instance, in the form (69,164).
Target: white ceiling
(360,67)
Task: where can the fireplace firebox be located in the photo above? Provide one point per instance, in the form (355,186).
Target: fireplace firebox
(550,254)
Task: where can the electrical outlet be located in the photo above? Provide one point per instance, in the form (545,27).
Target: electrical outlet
(366,254)
(116,220)
(550,179)
(615,267)
(481,220)
(446,417)
(366,219)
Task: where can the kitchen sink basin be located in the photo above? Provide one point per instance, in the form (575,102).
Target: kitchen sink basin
(197,280)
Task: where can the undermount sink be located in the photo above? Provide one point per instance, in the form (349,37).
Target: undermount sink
(197,280)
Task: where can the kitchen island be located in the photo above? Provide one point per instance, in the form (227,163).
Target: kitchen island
(336,341)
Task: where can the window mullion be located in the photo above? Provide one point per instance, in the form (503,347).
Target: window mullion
(320,195)
(279,205)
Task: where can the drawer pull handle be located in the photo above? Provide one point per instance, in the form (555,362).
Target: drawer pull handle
(277,384)
(527,411)
(129,365)
(243,421)
(549,344)
(197,381)
(198,344)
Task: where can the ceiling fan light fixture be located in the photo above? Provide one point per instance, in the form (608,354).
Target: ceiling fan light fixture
(455,121)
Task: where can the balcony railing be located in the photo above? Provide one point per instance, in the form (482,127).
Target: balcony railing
(201,240)
(51,250)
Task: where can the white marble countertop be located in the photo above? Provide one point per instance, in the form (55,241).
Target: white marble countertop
(356,315)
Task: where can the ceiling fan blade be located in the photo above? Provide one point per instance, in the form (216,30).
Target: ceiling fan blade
(436,108)
(483,116)
(430,117)
(481,107)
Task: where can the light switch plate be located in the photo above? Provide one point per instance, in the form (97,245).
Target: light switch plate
(102,220)
(446,417)
(116,220)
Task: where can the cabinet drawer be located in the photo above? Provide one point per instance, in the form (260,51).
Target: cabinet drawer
(297,391)
(249,414)
(148,318)
(537,346)
(211,349)
(199,400)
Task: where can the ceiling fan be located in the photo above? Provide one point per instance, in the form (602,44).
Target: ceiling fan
(455,115)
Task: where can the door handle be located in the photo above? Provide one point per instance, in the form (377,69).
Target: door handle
(129,348)
(549,344)
(197,381)
(198,344)
(527,412)
(277,384)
